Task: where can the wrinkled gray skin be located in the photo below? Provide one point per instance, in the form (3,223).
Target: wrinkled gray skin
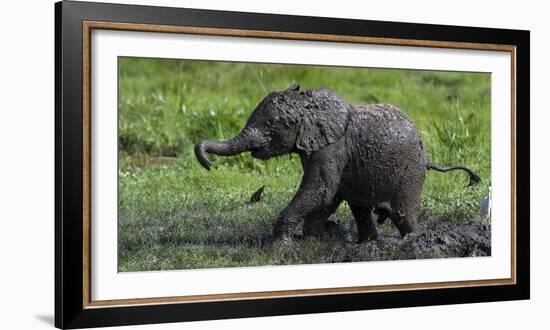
(368,155)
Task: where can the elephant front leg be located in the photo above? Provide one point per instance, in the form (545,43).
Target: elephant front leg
(303,204)
(314,223)
(366,228)
(317,192)
(285,225)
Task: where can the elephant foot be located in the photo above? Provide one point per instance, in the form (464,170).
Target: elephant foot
(286,240)
(282,234)
(366,229)
(283,240)
(367,232)
(373,236)
(405,224)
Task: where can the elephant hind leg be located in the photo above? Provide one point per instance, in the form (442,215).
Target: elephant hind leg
(405,223)
(404,214)
(366,229)
(314,222)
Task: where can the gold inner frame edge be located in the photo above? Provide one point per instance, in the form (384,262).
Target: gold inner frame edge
(88,26)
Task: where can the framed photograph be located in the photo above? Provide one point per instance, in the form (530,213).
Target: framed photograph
(215,164)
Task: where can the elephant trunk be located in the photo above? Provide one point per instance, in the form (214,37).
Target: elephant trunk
(234,146)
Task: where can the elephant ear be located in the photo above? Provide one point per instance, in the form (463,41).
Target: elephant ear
(324,120)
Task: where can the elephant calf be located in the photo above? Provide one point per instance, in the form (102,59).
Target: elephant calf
(368,155)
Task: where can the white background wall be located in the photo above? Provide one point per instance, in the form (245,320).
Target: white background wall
(27,168)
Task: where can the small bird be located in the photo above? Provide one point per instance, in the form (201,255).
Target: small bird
(486,206)
(257,195)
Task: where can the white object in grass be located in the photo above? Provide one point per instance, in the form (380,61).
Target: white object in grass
(486,205)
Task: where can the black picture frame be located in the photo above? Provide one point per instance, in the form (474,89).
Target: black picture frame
(70,309)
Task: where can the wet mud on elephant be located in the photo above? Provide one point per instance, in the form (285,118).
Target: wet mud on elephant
(371,156)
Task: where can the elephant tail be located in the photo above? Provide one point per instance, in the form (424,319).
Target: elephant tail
(474,178)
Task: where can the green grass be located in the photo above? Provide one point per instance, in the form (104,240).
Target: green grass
(175,215)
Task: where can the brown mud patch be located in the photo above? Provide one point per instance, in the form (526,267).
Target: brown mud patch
(432,239)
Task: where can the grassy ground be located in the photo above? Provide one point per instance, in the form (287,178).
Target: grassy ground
(175,215)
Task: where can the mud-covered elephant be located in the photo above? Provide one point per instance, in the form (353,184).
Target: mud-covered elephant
(371,156)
